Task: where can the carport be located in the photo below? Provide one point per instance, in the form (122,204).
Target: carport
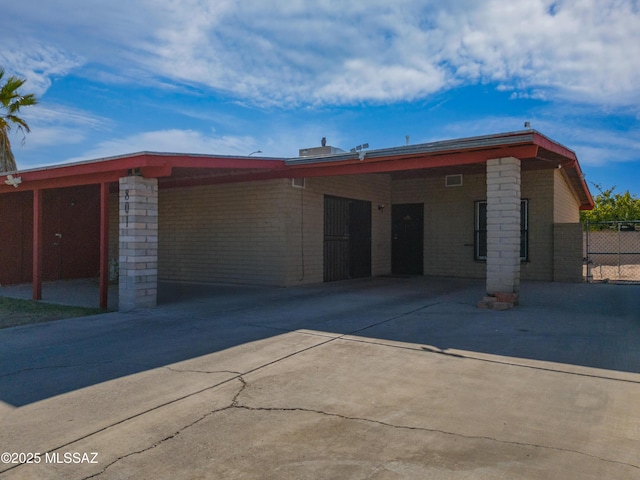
(140,179)
(56,221)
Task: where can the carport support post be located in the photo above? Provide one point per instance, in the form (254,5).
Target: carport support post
(138,264)
(104,245)
(503,230)
(36,278)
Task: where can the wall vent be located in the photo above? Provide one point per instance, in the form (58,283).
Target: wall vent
(453,180)
(298,182)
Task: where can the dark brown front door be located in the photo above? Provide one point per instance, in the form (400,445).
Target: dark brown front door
(52,235)
(71,233)
(407,239)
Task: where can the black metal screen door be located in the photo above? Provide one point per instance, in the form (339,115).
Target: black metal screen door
(347,238)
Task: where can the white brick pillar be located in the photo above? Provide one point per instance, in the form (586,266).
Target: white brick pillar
(138,264)
(503,226)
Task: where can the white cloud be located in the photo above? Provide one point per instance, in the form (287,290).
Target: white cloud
(48,113)
(587,50)
(291,52)
(54,125)
(37,63)
(174,140)
(48,136)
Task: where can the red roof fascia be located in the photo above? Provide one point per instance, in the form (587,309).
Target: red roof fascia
(110,170)
(196,161)
(554,147)
(61,182)
(220,179)
(572,163)
(349,167)
(394,164)
(81,173)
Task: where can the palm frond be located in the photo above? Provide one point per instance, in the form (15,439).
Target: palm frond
(10,103)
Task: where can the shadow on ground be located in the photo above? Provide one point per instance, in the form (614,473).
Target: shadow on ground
(578,324)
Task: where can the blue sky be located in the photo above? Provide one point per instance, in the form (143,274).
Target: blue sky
(234,76)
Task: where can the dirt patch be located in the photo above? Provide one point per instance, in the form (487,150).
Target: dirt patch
(15,312)
(613,273)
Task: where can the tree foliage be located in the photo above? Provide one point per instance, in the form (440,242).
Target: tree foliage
(10,103)
(611,206)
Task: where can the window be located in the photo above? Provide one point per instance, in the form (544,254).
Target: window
(480,243)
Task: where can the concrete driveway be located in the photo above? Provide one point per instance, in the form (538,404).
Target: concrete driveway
(369,379)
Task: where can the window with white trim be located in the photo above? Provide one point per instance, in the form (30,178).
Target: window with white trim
(480,243)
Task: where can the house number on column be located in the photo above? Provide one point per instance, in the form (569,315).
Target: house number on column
(126,207)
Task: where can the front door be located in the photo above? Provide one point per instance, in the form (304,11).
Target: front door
(52,235)
(407,239)
(71,233)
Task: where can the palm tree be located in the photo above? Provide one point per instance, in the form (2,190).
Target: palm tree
(10,103)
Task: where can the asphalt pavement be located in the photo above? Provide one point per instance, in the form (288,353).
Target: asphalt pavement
(383,378)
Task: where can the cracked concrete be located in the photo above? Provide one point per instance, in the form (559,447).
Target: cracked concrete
(420,388)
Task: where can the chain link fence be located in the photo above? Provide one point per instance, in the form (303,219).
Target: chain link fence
(612,252)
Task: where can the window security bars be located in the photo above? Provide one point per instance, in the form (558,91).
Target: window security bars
(480,231)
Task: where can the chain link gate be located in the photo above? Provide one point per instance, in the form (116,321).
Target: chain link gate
(612,251)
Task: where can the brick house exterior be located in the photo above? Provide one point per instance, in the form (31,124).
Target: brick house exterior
(243,220)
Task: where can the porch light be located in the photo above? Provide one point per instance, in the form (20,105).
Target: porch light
(13,181)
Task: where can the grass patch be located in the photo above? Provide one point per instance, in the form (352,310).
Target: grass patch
(15,312)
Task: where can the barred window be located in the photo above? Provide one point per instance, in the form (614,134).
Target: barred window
(480,243)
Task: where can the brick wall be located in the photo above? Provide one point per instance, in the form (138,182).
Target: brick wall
(305,223)
(233,233)
(449,243)
(448,222)
(567,253)
(538,188)
(272,233)
(566,208)
(567,232)
(265,233)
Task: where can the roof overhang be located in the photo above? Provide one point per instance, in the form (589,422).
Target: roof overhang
(182,170)
(466,155)
(148,164)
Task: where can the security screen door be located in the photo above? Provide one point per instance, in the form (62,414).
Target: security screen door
(347,238)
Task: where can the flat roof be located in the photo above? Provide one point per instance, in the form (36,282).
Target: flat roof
(534,149)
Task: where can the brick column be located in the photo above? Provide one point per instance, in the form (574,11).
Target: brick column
(503,229)
(138,265)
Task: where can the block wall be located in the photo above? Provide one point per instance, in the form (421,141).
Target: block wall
(567,253)
(271,233)
(264,233)
(566,208)
(538,187)
(449,222)
(305,223)
(567,233)
(230,233)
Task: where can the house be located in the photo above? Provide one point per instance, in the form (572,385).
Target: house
(501,207)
